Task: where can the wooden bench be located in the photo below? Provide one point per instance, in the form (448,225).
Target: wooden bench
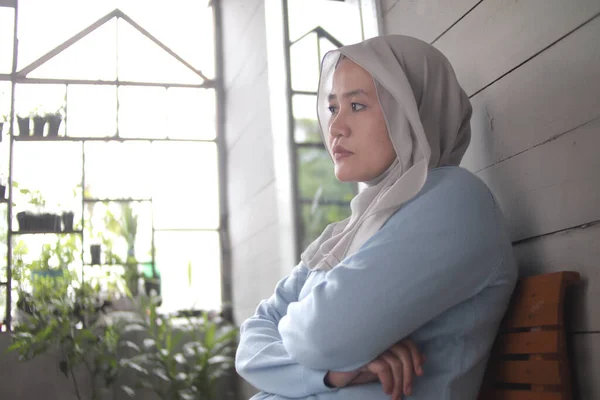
(529,360)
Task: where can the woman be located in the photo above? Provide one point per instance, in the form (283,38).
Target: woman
(425,257)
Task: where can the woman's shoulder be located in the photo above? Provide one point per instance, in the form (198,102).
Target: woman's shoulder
(446,185)
(451,193)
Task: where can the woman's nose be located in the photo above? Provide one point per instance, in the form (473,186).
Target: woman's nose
(338,126)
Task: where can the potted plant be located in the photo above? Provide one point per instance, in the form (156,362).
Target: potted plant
(63,316)
(30,221)
(95,252)
(38,125)
(2,188)
(37,221)
(188,357)
(3,119)
(68,216)
(24,127)
(126,227)
(54,120)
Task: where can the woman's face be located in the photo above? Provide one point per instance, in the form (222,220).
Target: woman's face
(358,139)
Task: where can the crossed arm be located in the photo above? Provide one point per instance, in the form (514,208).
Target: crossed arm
(420,264)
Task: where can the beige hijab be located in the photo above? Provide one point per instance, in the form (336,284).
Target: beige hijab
(428,119)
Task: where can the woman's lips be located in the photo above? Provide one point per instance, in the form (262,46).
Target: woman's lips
(338,155)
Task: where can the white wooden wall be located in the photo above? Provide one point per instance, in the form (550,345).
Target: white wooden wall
(532,69)
(253,222)
(255,227)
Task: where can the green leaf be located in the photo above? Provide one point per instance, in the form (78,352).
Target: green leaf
(149,343)
(227,334)
(220,360)
(131,345)
(130,392)
(135,366)
(209,339)
(187,396)
(161,374)
(134,328)
(180,358)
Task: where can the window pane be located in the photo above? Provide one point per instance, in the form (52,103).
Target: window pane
(118,170)
(316,217)
(122,229)
(142,60)
(142,112)
(38,99)
(3,241)
(191,113)
(52,172)
(326,46)
(316,177)
(305,64)
(91,111)
(94,57)
(306,126)
(175,25)
(185,192)
(5,100)
(7,29)
(48,251)
(305,15)
(44,24)
(184,255)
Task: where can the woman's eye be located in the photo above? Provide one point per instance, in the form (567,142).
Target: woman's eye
(332,109)
(357,107)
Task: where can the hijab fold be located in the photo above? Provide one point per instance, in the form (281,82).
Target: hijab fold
(427,115)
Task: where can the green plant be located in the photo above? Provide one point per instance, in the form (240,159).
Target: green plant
(35,198)
(183,361)
(125,227)
(57,113)
(62,315)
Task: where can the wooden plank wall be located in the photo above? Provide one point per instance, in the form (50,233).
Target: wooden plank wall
(532,70)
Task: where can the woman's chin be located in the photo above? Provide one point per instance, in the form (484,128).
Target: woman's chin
(344,175)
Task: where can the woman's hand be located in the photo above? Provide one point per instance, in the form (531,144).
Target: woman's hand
(394,369)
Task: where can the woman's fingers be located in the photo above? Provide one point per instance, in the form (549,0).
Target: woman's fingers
(384,372)
(417,357)
(363,377)
(396,365)
(403,354)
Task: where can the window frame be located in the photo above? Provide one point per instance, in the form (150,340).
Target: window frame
(20,76)
(369,11)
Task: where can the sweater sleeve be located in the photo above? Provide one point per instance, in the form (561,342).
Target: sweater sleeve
(262,360)
(440,249)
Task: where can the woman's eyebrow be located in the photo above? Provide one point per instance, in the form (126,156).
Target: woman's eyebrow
(352,93)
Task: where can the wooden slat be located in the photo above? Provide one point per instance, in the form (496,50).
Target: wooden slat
(243,33)
(499,35)
(253,216)
(520,395)
(551,187)
(578,249)
(542,342)
(534,372)
(555,92)
(425,20)
(251,171)
(536,302)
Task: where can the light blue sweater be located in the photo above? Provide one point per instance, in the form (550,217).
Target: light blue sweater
(440,271)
